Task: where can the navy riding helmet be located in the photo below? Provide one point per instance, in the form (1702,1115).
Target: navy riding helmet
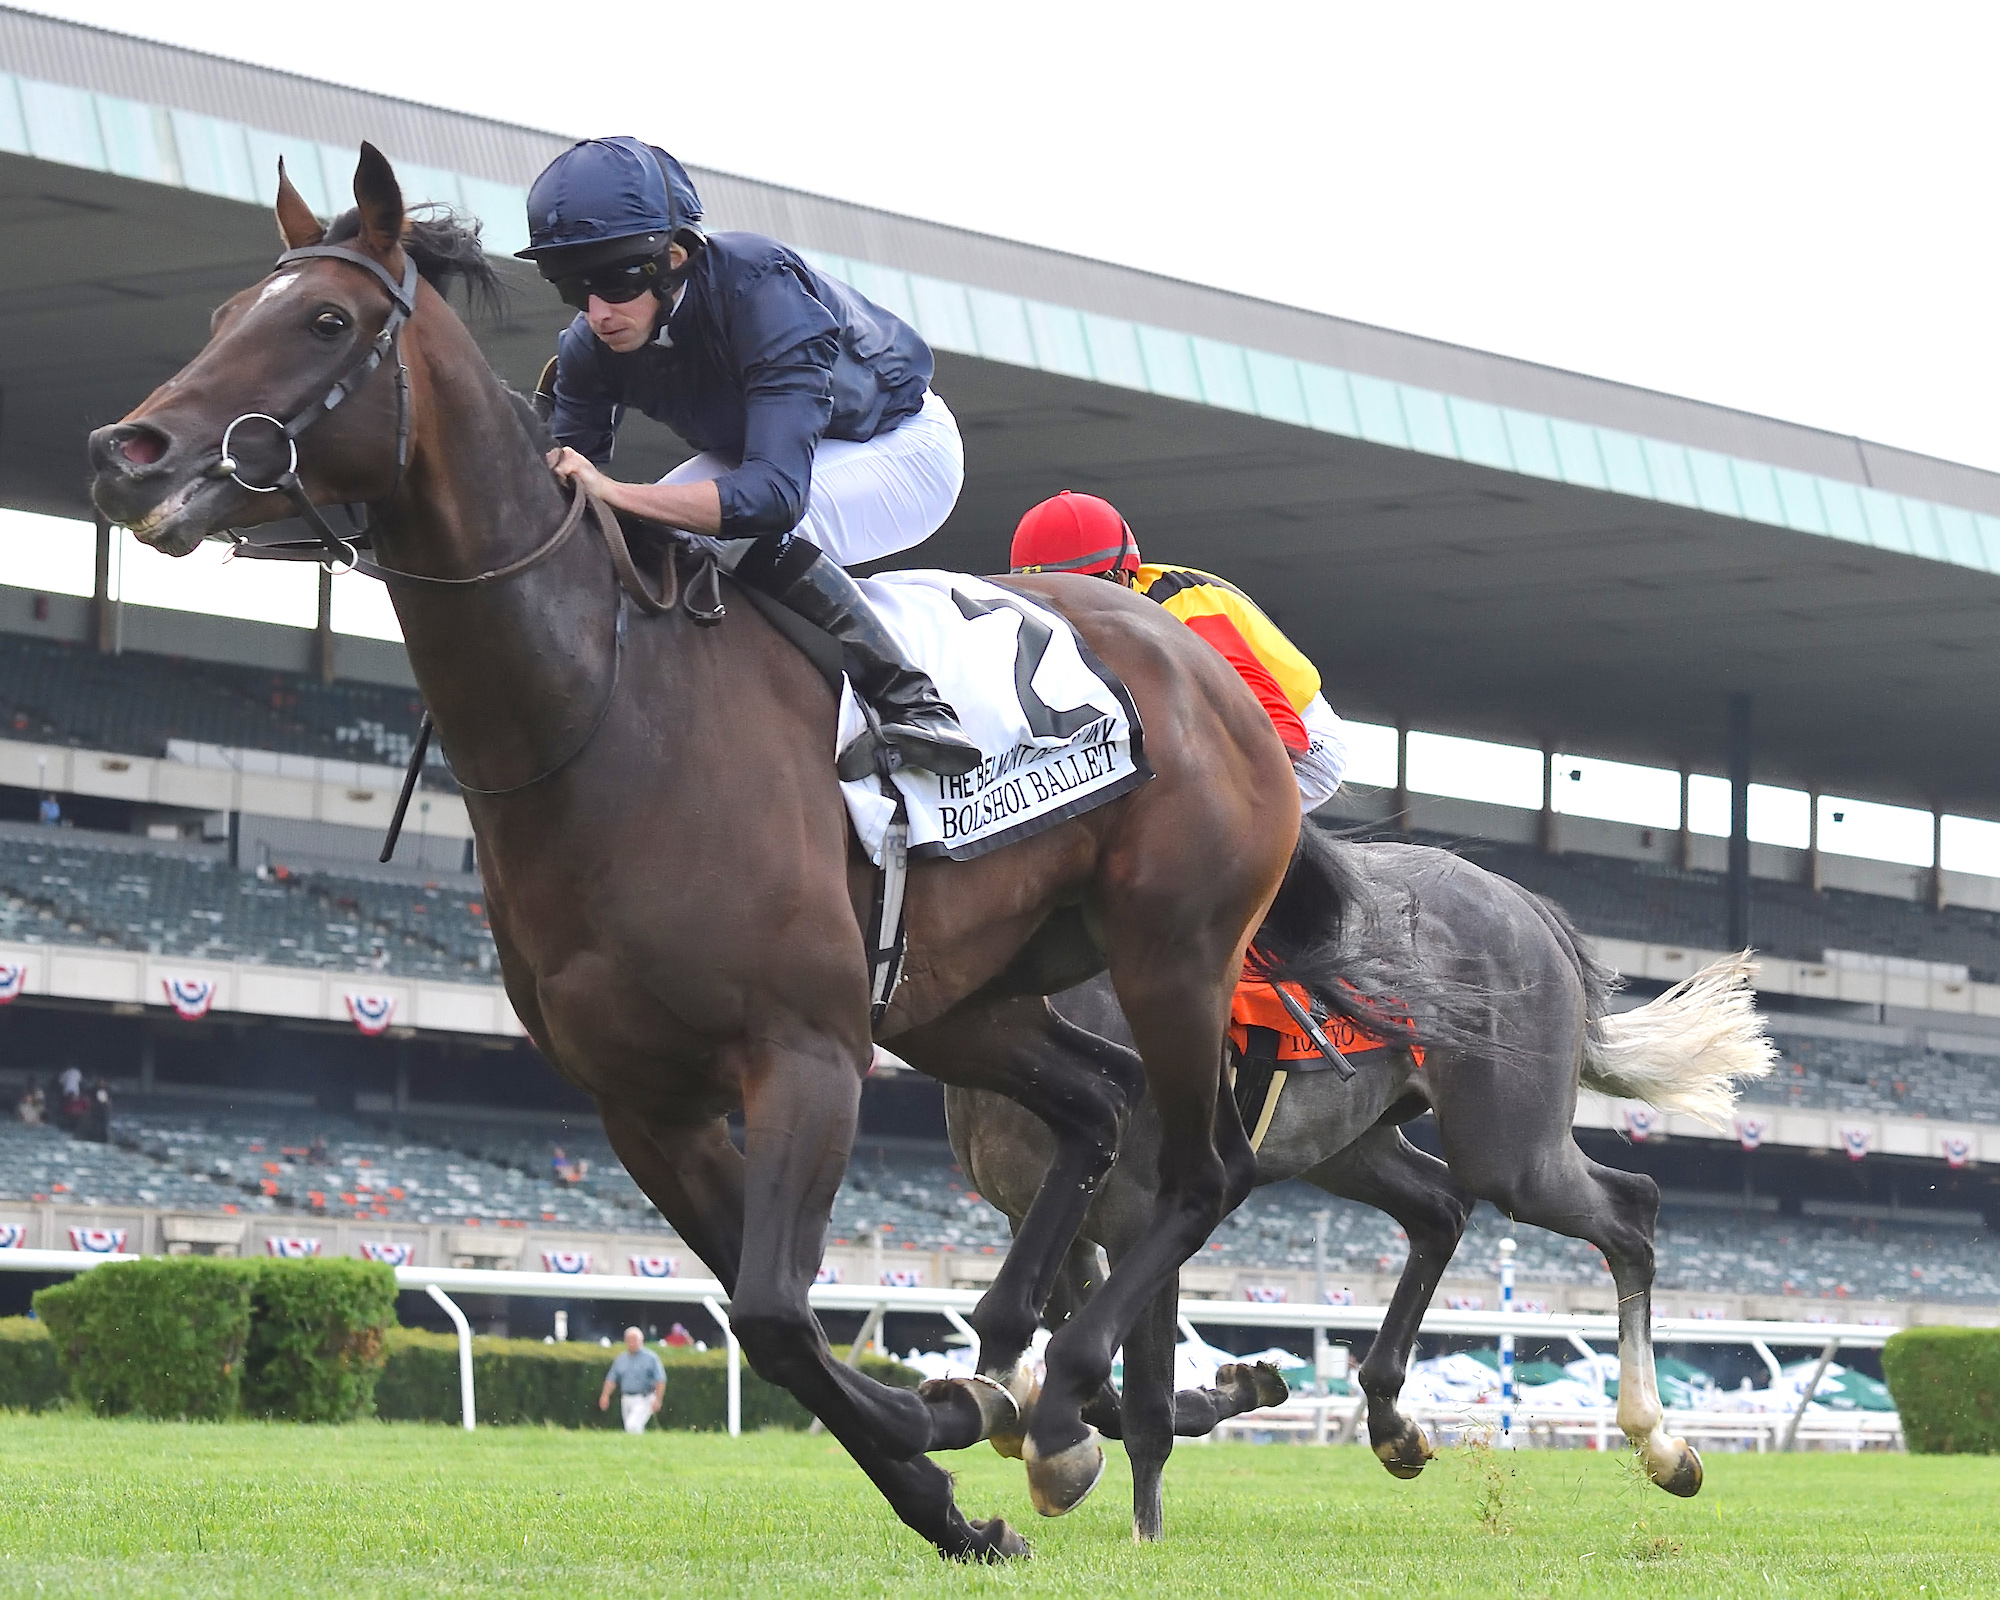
(605,200)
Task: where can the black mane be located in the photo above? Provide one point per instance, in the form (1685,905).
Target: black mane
(444,246)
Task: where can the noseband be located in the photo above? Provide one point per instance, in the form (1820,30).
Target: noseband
(332,548)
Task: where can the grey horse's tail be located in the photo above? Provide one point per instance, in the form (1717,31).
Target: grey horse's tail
(1326,932)
(1685,1050)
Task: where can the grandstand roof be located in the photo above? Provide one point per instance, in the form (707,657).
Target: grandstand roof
(1472,543)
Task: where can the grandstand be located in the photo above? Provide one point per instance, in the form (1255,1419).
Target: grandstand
(66,886)
(285,1166)
(1866,1075)
(1657,903)
(1633,540)
(56,692)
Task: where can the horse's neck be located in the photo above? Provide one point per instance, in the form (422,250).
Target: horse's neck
(512,671)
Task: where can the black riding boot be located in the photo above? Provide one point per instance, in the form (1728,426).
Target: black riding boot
(915,717)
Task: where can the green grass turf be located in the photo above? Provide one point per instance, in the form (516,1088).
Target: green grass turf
(90,1507)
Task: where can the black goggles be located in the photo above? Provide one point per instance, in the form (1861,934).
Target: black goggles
(613,285)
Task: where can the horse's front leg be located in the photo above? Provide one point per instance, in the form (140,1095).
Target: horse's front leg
(801,1098)
(1384,1170)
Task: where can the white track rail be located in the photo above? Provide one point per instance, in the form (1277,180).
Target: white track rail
(1304,1413)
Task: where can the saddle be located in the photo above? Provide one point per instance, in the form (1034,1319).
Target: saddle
(1278,1029)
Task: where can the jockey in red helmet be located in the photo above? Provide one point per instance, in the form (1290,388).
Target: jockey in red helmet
(1081,533)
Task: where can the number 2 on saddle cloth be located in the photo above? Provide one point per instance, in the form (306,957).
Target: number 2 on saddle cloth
(1278,1029)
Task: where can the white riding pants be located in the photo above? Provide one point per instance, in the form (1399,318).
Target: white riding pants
(637,1409)
(870,497)
(1319,769)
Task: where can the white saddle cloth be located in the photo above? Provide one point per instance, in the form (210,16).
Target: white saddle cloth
(1059,732)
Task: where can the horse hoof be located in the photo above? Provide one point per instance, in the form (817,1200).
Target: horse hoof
(1021,1387)
(1256,1385)
(1406,1453)
(978,1406)
(1684,1477)
(1059,1482)
(998,1542)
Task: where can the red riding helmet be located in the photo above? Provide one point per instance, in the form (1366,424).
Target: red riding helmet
(1074,533)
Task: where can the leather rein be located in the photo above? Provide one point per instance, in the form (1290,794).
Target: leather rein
(335,550)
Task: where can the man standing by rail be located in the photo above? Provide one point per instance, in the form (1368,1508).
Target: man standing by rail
(639,1378)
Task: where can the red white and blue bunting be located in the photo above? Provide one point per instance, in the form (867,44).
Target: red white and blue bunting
(1266,1294)
(1751,1129)
(826,1274)
(1856,1138)
(388,1252)
(654,1266)
(1339,1297)
(12,975)
(1643,1123)
(371,1012)
(190,997)
(571,1263)
(903,1278)
(1957,1149)
(291,1247)
(1465,1302)
(98,1241)
(13,1235)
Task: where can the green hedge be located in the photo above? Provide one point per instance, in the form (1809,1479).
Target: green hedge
(1946,1382)
(198,1336)
(30,1377)
(317,1338)
(524,1380)
(161,1337)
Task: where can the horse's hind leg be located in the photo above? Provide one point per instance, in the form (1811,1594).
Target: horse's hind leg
(1081,1087)
(1200,1182)
(1568,1193)
(1384,1170)
(693,1174)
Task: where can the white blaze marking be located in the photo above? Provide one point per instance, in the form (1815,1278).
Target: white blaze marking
(276,286)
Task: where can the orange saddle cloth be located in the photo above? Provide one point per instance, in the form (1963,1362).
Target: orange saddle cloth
(1261,1028)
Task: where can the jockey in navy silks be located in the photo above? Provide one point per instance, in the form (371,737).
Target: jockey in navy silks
(820,442)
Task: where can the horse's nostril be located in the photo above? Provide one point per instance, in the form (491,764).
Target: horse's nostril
(142,449)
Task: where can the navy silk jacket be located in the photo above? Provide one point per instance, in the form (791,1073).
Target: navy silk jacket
(762,359)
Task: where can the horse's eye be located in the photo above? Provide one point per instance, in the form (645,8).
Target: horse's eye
(329,324)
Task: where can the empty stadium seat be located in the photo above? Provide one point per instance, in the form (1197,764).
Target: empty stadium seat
(53,692)
(57,886)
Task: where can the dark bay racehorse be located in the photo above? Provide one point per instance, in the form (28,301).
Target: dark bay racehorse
(668,869)
(1505,1111)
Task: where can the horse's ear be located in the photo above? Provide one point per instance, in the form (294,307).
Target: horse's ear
(380,199)
(297,225)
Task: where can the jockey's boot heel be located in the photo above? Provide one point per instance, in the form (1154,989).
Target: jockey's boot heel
(915,718)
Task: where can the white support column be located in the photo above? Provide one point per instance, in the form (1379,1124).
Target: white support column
(1806,1399)
(464,1354)
(714,1309)
(1322,1225)
(1506,1346)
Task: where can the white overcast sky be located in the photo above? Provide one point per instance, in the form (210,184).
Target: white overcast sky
(1786,208)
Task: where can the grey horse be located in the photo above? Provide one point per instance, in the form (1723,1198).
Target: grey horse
(1505,1108)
